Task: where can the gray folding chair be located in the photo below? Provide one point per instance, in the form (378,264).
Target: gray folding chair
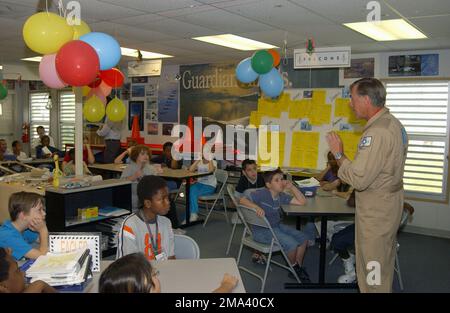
(222,177)
(249,218)
(235,218)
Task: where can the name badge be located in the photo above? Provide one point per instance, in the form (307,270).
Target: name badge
(161,257)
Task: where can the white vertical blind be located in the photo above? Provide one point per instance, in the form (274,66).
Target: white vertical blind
(66,118)
(39,114)
(422,107)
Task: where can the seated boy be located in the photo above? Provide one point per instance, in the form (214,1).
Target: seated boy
(250,178)
(148,231)
(267,202)
(12,279)
(27,224)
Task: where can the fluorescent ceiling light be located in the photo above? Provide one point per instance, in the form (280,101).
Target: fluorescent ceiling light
(235,42)
(145,54)
(33,59)
(387,30)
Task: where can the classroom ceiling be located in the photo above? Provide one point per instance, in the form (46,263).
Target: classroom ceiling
(166,26)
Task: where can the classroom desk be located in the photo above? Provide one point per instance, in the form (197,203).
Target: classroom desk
(114,168)
(323,207)
(186,276)
(168,173)
(37,162)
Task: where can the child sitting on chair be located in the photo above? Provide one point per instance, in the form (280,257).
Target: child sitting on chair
(328,177)
(267,202)
(250,179)
(12,279)
(27,224)
(134,274)
(148,231)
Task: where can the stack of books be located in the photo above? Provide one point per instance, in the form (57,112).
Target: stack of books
(61,269)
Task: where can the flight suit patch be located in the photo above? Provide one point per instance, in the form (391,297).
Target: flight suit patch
(365,142)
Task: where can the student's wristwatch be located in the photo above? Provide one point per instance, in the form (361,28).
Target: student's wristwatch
(338,155)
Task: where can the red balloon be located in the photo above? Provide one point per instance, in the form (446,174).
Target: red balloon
(96,82)
(77,63)
(112,77)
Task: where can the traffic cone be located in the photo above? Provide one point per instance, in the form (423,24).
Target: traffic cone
(135,130)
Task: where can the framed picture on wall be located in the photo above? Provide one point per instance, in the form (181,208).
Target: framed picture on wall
(362,65)
(136,108)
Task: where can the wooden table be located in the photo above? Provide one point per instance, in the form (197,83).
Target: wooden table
(323,207)
(186,276)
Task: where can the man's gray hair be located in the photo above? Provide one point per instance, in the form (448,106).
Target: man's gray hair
(371,87)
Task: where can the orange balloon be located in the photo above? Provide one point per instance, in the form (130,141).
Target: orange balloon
(276,57)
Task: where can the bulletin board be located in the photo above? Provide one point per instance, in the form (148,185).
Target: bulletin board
(302,118)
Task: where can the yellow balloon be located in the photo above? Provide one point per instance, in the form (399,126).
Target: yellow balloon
(85,90)
(115,110)
(80,30)
(93,109)
(46,33)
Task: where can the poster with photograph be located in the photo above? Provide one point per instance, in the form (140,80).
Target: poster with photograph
(139,80)
(151,103)
(168,96)
(152,128)
(152,90)
(414,65)
(136,108)
(125,91)
(151,115)
(138,91)
(364,67)
(167,129)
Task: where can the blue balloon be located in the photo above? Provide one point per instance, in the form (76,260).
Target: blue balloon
(107,48)
(245,72)
(272,83)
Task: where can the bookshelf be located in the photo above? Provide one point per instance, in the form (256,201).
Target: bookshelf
(62,206)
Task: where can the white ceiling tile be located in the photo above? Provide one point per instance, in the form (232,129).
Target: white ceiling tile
(414,8)
(138,20)
(93,10)
(224,22)
(13,10)
(344,11)
(177,28)
(133,33)
(438,26)
(154,6)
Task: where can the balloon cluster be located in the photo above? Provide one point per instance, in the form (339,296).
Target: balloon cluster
(262,64)
(75,56)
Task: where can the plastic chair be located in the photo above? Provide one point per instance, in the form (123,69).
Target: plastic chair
(249,218)
(186,247)
(222,177)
